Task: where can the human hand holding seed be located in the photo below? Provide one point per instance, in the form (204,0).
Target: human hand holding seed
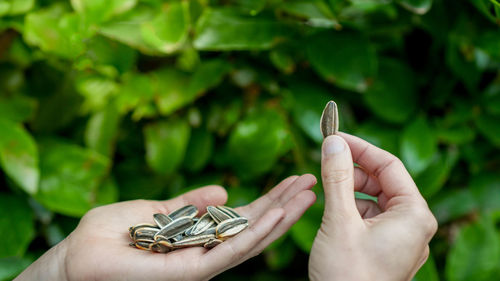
(98,249)
(360,239)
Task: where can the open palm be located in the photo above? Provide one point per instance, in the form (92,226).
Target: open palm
(98,248)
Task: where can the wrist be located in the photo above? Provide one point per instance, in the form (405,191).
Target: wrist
(50,266)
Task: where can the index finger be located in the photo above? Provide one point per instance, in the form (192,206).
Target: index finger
(392,175)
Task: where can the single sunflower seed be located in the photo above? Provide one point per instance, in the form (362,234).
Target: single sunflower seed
(145,233)
(212,243)
(231,227)
(329,123)
(176,227)
(186,211)
(191,241)
(161,220)
(161,247)
(133,229)
(221,213)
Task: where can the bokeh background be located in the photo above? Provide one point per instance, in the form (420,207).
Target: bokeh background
(103,101)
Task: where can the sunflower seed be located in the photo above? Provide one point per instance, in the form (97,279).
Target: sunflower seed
(161,220)
(230,211)
(212,243)
(329,123)
(231,227)
(161,247)
(203,224)
(145,233)
(220,214)
(176,227)
(186,211)
(181,229)
(133,229)
(191,241)
(143,244)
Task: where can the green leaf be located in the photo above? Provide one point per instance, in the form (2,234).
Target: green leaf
(488,126)
(428,272)
(491,98)
(475,253)
(70,176)
(419,7)
(282,61)
(16,225)
(392,95)
(19,156)
(380,135)
(199,151)
(242,195)
(311,10)
(453,204)
(12,266)
(418,146)
(166,144)
(97,11)
(257,142)
(175,89)
(304,230)
(127,29)
(136,90)
(107,193)
(225,29)
(344,58)
(96,90)
(207,75)
(16,7)
(308,102)
(103,52)
(168,31)
(171,90)
(432,179)
(55,92)
(17,108)
(65,37)
(486,189)
(456,135)
(102,129)
(136,181)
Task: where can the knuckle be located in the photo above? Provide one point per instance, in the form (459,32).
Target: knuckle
(427,220)
(337,176)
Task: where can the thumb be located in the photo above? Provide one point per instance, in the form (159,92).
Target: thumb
(337,172)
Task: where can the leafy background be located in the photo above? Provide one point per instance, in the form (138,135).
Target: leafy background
(102,101)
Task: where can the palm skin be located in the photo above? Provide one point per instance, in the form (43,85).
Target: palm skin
(99,248)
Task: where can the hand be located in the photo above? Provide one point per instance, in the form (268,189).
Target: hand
(359,239)
(98,248)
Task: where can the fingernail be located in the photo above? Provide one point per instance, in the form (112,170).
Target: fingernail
(333,145)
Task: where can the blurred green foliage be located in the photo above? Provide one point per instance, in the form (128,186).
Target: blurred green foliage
(102,101)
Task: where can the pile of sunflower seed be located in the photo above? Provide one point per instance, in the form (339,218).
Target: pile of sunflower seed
(181,228)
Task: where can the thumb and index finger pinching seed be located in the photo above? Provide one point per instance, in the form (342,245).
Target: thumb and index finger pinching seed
(337,168)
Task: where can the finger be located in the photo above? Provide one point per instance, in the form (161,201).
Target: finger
(279,195)
(263,203)
(337,172)
(367,208)
(294,209)
(234,251)
(392,176)
(201,198)
(366,183)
